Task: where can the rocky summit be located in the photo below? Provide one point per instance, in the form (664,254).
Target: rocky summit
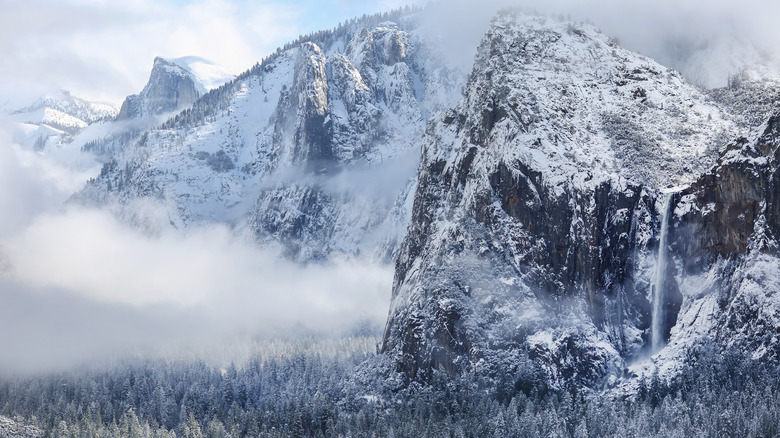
(311,151)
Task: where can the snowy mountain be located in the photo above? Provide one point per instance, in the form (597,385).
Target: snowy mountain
(53,121)
(173,85)
(311,150)
(576,206)
(69,105)
(543,230)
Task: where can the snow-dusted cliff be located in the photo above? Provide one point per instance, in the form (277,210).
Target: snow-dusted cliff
(309,151)
(537,219)
(173,85)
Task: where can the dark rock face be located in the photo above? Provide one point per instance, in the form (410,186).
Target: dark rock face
(727,226)
(584,245)
(722,210)
(581,245)
(356,107)
(296,214)
(170,88)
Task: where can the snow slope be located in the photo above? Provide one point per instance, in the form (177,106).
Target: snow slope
(53,121)
(206,74)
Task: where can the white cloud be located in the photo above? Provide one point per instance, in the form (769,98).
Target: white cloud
(77,284)
(103,50)
(90,252)
(32,184)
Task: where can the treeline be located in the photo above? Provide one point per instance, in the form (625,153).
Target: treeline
(316,395)
(104,148)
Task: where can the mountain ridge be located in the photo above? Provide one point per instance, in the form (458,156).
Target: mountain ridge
(53,121)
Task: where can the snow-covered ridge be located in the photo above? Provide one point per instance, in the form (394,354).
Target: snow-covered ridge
(64,102)
(581,105)
(51,117)
(53,121)
(207,74)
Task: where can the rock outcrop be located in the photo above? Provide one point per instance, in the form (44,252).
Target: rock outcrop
(170,88)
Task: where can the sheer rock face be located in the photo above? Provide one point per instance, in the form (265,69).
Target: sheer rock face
(536,222)
(342,112)
(170,88)
(733,204)
(724,237)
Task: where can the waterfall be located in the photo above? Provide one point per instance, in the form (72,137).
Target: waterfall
(656,333)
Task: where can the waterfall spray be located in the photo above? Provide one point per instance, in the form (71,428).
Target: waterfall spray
(656,333)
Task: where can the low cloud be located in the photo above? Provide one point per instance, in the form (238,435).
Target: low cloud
(80,284)
(208,269)
(77,284)
(32,184)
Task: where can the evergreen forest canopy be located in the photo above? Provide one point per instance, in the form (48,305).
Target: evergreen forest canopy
(322,393)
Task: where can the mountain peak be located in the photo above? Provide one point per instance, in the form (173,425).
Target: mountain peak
(583,103)
(206,74)
(65,102)
(173,85)
(537,218)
